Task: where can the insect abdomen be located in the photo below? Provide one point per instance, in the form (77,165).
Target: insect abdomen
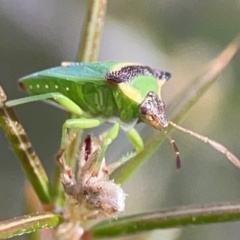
(95,98)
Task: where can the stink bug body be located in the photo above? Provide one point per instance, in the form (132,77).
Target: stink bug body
(115,92)
(127,91)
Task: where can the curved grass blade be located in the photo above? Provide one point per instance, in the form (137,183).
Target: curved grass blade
(24,151)
(181,104)
(168,218)
(186,101)
(90,43)
(28,224)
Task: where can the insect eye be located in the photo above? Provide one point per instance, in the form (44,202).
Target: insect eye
(145,107)
(167,75)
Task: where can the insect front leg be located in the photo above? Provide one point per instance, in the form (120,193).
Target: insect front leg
(107,140)
(137,141)
(76,123)
(89,123)
(58,97)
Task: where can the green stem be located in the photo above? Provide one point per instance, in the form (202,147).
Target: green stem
(89,47)
(24,151)
(28,224)
(88,52)
(167,218)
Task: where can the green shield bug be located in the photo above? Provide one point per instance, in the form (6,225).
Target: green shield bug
(115,92)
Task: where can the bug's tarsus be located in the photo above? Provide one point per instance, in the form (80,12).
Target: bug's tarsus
(175,148)
(219,147)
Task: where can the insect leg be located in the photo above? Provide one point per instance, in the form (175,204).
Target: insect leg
(108,138)
(58,97)
(77,123)
(137,141)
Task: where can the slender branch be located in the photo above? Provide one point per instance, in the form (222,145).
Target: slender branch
(28,224)
(89,45)
(24,150)
(168,218)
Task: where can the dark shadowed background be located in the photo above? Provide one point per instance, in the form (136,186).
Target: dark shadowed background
(177,36)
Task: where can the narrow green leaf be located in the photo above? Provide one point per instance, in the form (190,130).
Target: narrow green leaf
(91,37)
(28,224)
(168,218)
(24,151)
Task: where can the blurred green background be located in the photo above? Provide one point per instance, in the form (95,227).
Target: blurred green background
(176,36)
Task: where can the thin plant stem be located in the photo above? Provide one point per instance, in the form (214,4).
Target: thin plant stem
(91,37)
(167,218)
(24,151)
(87,52)
(29,223)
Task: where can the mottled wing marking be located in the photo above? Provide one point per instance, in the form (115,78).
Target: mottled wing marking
(127,73)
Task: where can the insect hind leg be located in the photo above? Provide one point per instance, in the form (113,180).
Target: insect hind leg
(58,97)
(137,141)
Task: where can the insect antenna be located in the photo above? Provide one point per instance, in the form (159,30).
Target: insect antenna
(175,148)
(219,147)
(88,147)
